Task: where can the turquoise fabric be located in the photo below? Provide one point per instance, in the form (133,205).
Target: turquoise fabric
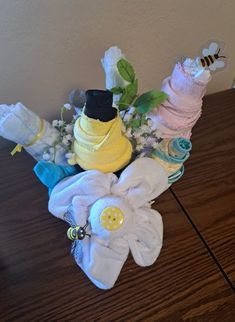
(176,175)
(180,147)
(178,151)
(50,173)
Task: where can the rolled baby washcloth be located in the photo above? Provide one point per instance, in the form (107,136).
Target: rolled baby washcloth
(171,154)
(112,76)
(24,127)
(179,113)
(99,142)
(100,145)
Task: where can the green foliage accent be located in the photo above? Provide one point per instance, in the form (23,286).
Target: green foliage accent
(117,90)
(129,95)
(147,101)
(126,70)
(134,123)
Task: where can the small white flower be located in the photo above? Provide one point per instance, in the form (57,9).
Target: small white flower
(55,123)
(69,128)
(46,156)
(60,123)
(67,106)
(141,140)
(65,141)
(139,147)
(69,137)
(145,129)
(155,145)
(137,134)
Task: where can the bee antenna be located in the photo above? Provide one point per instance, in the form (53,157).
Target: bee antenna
(86,225)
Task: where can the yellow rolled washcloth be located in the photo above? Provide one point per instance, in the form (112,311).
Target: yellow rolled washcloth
(100,145)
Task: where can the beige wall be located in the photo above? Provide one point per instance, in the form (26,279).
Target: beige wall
(49,47)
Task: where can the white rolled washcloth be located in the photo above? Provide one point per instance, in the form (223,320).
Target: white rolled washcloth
(118,216)
(24,127)
(112,76)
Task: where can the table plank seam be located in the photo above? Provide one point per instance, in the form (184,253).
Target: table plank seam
(202,239)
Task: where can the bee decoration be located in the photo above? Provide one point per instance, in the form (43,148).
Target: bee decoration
(211,57)
(77,232)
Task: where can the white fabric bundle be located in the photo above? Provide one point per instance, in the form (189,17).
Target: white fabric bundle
(112,76)
(20,125)
(87,196)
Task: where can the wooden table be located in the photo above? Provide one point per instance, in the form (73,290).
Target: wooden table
(192,280)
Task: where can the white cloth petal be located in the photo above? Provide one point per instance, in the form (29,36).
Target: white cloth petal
(146,243)
(142,181)
(88,186)
(103,264)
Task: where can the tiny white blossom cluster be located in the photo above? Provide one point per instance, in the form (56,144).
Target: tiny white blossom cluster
(65,135)
(143,138)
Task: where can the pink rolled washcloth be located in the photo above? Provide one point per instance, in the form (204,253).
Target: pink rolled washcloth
(185,88)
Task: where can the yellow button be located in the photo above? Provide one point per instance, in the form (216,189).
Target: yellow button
(111,218)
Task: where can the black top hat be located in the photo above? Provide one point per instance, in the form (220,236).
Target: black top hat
(99,105)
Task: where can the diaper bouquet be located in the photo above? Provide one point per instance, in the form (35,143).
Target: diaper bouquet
(120,151)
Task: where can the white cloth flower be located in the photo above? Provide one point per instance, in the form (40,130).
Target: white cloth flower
(119,217)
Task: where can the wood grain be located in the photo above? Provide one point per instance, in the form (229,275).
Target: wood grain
(207,190)
(40,281)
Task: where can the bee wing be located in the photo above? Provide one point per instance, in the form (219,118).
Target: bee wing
(213,48)
(213,67)
(205,52)
(219,63)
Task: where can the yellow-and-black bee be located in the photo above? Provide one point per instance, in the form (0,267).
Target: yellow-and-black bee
(211,57)
(77,232)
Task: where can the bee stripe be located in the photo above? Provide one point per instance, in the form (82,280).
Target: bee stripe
(203,62)
(207,61)
(211,59)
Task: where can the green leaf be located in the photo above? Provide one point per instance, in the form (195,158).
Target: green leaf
(129,95)
(149,100)
(117,90)
(126,70)
(135,123)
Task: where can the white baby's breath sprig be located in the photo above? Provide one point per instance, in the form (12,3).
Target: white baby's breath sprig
(65,138)
(67,106)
